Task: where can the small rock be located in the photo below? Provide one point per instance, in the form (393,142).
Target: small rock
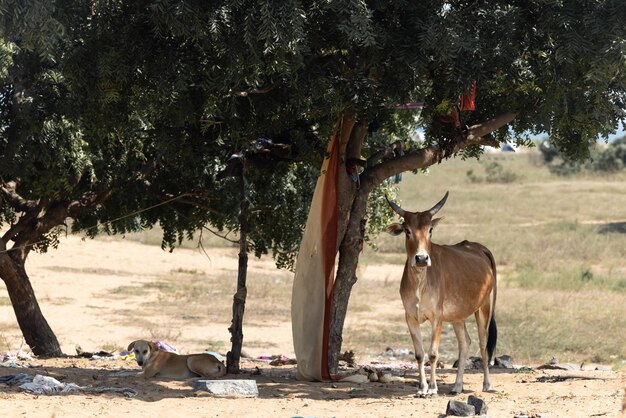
(504,362)
(460,409)
(479,405)
(471,363)
(236,388)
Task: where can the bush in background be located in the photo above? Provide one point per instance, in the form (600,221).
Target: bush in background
(610,159)
(494,173)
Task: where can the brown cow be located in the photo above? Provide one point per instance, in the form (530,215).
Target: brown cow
(445,283)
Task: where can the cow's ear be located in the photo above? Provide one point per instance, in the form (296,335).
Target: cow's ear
(395,229)
(435,221)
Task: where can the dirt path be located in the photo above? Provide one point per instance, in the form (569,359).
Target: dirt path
(79,285)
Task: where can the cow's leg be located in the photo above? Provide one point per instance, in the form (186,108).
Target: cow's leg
(461,335)
(482,318)
(416,336)
(433,354)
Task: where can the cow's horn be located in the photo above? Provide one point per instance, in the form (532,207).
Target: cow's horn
(397,209)
(439,205)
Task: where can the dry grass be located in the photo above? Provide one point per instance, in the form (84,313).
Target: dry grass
(560,246)
(558,242)
(572,326)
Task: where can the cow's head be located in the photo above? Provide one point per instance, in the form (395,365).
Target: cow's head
(418,228)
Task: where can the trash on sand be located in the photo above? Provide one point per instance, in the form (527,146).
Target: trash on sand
(14,360)
(87,354)
(371,374)
(16,379)
(277,360)
(165,347)
(355,378)
(46,385)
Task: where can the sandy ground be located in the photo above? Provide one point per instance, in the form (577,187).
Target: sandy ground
(70,283)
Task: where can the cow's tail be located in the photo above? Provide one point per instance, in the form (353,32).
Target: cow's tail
(492,331)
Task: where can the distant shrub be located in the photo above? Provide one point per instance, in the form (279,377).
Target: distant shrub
(613,158)
(565,168)
(610,159)
(494,173)
(473,177)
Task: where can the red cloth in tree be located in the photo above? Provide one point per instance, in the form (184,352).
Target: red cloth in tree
(466,101)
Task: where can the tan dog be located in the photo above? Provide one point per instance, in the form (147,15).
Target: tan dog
(160,363)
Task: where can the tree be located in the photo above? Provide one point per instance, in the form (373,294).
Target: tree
(99,122)
(156,92)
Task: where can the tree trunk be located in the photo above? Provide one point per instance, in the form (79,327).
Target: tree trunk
(35,328)
(349,251)
(239,300)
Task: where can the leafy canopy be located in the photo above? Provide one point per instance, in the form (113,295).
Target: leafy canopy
(137,102)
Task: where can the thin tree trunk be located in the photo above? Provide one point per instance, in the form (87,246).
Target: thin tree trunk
(349,251)
(37,333)
(239,300)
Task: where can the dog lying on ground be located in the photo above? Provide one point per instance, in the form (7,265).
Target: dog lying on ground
(160,363)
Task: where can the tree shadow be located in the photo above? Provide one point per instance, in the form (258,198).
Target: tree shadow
(272,382)
(612,227)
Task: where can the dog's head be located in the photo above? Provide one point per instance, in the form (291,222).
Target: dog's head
(142,349)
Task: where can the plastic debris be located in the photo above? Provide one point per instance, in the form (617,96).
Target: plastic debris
(277,360)
(16,379)
(165,347)
(355,378)
(46,385)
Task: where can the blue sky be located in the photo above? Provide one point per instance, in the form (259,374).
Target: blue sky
(620,132)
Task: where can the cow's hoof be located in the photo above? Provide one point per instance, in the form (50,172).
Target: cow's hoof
(430,393)
(456,390)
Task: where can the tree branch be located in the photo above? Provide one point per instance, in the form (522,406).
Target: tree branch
(475,132)
(357,137)
(224,237)
(199,205)
(425,157)
(17,202)
(88,201)
(384,153)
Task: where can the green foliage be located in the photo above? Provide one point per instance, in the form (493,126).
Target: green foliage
(111,107)
(611,158)
(494,173)
(379,215)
